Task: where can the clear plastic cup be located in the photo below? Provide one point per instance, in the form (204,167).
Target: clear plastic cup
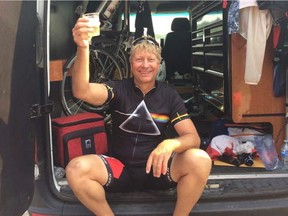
(94,22)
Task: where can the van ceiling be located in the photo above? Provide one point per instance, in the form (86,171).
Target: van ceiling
(165,6)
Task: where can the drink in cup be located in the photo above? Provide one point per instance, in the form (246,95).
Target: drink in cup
(94,22)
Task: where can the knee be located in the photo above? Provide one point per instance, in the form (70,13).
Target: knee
(77,167)
(202,157)
(199,160)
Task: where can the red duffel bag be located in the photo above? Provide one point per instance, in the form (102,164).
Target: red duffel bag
(76,135)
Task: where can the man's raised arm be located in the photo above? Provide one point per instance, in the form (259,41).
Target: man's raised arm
(92,93)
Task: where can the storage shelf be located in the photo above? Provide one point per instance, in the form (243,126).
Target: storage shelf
(214,35)
(215,73)
(213,101)
(214,45)
(214,25)
(208,54)
(208,71)
(214,54)
(201,69)
(198,45)
(198,39)
(198,53)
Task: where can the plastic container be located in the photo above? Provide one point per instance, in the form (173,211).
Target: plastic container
(284,155)
(59,172)
(267,151)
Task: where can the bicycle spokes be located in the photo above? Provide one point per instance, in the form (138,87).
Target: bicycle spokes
(102,67)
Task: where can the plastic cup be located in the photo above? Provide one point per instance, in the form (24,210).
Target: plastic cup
(94,22)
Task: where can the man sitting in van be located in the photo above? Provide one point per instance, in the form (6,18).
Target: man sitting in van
(141,158)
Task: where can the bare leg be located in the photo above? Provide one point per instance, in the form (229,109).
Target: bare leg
(191,170)
(86,176)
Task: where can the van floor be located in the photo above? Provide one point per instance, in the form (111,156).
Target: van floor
(251,185)
(236,170)
(215,189)
(225,182)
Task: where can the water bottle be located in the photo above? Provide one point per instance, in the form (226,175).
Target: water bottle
(284,155)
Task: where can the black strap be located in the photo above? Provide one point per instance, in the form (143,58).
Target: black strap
(281,41)
(110,94)
(87,141)
(72,123)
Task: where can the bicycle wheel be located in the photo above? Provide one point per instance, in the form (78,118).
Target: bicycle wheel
(102,66)
(119,52)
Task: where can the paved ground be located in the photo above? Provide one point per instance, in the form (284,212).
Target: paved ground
(25,214)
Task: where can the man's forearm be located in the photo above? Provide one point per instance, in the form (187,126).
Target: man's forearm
(80,73)
(187,141)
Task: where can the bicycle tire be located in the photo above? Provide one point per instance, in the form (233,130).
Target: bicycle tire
(103,66)
(112,45)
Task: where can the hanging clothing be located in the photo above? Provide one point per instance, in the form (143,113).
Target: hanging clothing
(247,3)
(143,20)
(255,26)
(233,17)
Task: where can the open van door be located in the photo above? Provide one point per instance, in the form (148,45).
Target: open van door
(19,91)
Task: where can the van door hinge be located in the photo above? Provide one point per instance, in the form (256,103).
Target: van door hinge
(38,110)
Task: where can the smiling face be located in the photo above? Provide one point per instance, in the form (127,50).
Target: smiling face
(145,62)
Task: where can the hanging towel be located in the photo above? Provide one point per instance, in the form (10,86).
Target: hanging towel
(255,27)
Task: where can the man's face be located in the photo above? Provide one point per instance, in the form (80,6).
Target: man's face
(145,66)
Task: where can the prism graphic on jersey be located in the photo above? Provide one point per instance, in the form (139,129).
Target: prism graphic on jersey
(140,122)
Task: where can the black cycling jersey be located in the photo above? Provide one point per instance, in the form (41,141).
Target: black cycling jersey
(139,121)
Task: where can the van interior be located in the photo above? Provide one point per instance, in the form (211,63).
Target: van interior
(206,65)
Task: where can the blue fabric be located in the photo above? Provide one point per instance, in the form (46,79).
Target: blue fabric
(279,81)
(233,17)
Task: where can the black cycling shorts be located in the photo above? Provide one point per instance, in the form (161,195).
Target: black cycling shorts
(127,178)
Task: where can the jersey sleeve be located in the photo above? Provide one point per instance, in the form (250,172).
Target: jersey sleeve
(112,88)
(178,108)
(116,88)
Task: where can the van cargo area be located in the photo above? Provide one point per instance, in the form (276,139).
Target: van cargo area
(219,102)
(242,124)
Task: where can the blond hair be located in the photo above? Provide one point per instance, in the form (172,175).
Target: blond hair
(146,46)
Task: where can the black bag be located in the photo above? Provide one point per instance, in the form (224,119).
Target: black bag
(279,12)
(280,62)
(278,9)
